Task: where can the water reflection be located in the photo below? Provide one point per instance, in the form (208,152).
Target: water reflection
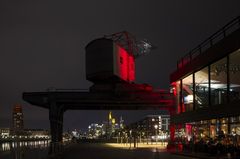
(24,149)
(5,147)
(30,144)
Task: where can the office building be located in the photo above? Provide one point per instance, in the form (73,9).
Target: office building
(151,126)
(17,119)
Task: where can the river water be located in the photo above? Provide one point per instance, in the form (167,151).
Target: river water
(24,150)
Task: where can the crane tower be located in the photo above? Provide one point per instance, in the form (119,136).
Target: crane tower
(112,58)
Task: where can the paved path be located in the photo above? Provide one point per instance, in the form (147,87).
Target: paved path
(103,151)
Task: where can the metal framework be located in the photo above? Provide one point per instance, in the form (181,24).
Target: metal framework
(131,44)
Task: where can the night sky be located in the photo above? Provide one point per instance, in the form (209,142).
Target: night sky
(42,45)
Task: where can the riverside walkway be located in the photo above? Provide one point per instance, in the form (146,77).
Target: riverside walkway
(113,151)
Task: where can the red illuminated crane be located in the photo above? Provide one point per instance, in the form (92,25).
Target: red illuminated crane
(110,66)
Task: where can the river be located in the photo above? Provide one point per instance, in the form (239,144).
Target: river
(24,150)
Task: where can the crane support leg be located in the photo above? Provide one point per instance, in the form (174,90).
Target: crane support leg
(56,126)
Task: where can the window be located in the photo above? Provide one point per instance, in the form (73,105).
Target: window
(218,83)
(187,93)
(201,88)
(234,75)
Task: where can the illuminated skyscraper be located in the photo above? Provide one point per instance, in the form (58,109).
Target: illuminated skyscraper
(17,118)
(111,126)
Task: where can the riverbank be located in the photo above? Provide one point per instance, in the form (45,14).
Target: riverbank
(3,140)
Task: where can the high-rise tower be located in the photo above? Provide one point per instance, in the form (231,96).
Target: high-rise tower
(17,118)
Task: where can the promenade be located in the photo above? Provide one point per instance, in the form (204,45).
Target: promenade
(112,151)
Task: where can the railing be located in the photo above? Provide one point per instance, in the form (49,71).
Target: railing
(209,42)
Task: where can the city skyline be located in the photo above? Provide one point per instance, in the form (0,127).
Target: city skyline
(18,108)
(43,46)
(117,119)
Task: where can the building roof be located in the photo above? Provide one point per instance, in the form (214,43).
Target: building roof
(223,42)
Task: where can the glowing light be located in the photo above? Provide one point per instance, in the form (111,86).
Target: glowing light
(161,145)
(110,115)
(174,89)
(113,120)
(5,146)
(188,99)
(124,64)
(188,131)
(131,68)
(172,132)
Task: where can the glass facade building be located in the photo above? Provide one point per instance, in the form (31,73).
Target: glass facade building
(207,88)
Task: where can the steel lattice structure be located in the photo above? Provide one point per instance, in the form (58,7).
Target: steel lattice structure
(131,44)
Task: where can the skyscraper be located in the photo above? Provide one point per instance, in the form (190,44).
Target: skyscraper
(17,118)
(111,126)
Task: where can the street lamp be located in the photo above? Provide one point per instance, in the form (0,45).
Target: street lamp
(156,127)
(130,134)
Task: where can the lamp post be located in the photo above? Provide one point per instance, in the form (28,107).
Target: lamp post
(156,127)
(130,137)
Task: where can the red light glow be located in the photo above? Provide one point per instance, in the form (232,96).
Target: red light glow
(183,107)
(188,129)
(131,68)
(174,88)
(172,131)
(126,65)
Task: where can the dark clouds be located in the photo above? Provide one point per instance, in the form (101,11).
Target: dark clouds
(42,44)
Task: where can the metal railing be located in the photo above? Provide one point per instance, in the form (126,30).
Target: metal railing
(209,42)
